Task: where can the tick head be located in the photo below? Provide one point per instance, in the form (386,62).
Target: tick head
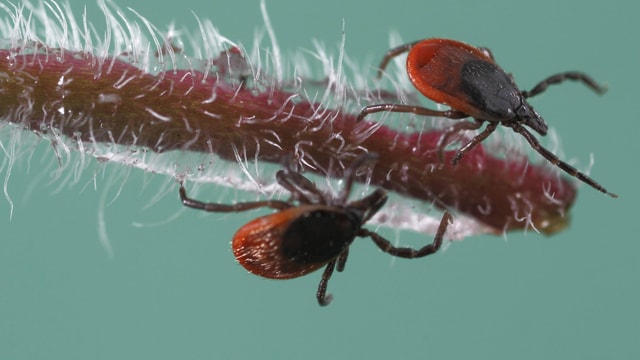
(529,116)
(364,209)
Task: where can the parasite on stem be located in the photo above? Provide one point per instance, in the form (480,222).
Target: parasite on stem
(470,81)
(312,230)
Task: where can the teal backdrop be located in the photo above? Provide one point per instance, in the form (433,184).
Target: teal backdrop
(174,290)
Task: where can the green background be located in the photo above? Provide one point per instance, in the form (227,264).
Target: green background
(174,291)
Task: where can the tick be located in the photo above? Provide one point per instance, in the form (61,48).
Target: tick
(472,84)
(313,229)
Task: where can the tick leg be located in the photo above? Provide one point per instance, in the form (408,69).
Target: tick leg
(342,260)
(454,129)
(393,53)
(535,144)
(301,188)
(559,78)
(409,253)
(402,108)
(350,174)
(321,295)
(370,204)
(491,127)
(213,207)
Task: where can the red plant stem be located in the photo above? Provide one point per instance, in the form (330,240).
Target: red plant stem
(112,101)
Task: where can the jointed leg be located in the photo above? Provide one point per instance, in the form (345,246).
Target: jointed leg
(301,188)
(402,108)
(393,53)
(552,158)
(338,264)
(321,295)
(342,260)
(350,174)
(409,253)
(213,207)
(559,78)
(370,204)
(491,127)
(452,130)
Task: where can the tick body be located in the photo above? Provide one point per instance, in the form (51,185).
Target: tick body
(295,241)
(468,79)
(312,230)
